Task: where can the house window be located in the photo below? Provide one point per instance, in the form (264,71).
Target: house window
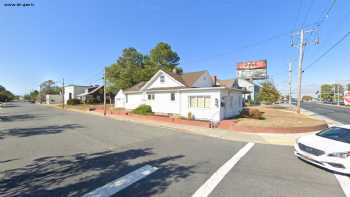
(172,96)
(126,98)
(150,96)
(162,79)
(217,102)
(199,101)
(70,96)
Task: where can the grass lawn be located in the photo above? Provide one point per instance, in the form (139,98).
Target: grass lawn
(86,107)
(281,117)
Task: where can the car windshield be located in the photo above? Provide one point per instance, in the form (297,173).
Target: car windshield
(336,133)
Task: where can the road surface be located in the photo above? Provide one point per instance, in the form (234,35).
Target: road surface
(336,113)
(49,152)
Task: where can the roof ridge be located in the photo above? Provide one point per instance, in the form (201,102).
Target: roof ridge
(195,71)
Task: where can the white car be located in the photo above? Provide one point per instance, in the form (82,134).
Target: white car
(329,149)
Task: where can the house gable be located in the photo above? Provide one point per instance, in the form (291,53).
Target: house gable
(204,80)
(162,80)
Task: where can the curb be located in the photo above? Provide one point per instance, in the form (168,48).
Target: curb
(286,139)
(273,130)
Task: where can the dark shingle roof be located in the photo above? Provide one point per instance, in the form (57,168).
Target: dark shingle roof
(186,78)
(136,87)
(228,83)
(192,77)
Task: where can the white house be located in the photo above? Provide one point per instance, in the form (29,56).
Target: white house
(250,86)
(72,91)
(53,99)
(194,94)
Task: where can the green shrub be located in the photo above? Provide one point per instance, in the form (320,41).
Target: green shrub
(73,102)
(143,110)
(91,101)
(252,113)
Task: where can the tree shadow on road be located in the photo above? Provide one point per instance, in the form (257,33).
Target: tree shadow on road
(75,175)
(20,117)
(27,132)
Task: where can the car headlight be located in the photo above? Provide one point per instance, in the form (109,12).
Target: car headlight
(343,155)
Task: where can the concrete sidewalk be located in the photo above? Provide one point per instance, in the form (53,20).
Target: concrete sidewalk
(263,138)
(311,114)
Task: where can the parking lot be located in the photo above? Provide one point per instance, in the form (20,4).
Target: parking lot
(50,152)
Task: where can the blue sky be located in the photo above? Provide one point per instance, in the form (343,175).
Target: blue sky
(76,39)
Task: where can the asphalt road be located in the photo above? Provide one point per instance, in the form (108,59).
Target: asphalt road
(49,152)
(336,113)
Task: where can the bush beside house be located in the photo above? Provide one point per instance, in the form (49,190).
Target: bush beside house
(91,101)
(143,110)
(252,113)
(73,102)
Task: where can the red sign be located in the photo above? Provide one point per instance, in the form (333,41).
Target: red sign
(250,65)
(347,97)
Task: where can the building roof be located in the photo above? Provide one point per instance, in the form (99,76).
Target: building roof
(187,79)
(192,77)
(91,92)
(229,83)
(136,87)
(169,88)
(76,85)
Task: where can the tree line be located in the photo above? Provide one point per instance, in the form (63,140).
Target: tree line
(133,67)
(6,95)
(330,92)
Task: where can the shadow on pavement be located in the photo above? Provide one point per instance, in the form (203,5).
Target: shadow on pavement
(75,175)
(27,132)
(6,161)
(21,117)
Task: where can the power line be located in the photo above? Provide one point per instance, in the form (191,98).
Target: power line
(265,40)
(298,13)
(328,51)
(307,13)
(327,12)
(251,45)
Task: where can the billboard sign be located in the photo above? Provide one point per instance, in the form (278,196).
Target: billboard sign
(252,69)
(347,97)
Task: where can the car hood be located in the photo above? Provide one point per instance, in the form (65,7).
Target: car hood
(321,143)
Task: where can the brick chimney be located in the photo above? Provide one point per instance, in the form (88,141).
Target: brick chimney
(215,80)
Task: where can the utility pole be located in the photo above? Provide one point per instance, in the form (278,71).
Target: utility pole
(63,93)
(338,88)
(301,45)
(300,69)
(104,93)
(334,94)
(290,84)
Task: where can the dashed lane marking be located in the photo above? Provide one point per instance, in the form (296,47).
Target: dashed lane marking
(122,183)
(216,178)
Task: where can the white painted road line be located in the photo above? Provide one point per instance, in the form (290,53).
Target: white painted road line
(122,183)
(215,179)
(344,182)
